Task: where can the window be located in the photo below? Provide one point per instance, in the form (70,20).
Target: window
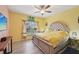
(30,26)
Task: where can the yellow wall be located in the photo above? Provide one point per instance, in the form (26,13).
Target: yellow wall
(41,23)
(16,23)
(70,17)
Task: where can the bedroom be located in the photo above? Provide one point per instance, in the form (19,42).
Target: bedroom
(27,23)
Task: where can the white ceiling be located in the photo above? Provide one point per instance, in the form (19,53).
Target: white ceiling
(29,9)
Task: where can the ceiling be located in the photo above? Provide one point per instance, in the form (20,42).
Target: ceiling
(30,9)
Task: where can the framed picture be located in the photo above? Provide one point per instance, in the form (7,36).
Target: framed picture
(3,22)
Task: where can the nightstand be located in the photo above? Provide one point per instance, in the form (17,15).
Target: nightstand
(74,43)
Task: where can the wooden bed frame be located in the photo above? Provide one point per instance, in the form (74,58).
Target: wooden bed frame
(47,47)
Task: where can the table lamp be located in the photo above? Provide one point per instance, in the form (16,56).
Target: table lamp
(74,35)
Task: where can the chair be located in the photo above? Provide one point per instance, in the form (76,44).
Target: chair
(6,45)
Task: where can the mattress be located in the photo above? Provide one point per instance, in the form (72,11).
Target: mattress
(56,38)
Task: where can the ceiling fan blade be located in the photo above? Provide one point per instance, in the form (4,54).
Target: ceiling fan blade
(48,11)
(37,12)
(47,6)
(37,8)
(42,6)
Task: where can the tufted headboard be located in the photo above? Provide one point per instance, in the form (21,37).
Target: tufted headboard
(59,26)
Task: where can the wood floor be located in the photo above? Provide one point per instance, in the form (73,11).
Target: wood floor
(25,47)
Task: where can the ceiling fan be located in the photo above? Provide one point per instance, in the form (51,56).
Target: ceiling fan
(43,9)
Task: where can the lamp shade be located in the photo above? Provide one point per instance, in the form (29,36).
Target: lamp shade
(74,35)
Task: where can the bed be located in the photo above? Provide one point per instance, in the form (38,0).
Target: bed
(53,41)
